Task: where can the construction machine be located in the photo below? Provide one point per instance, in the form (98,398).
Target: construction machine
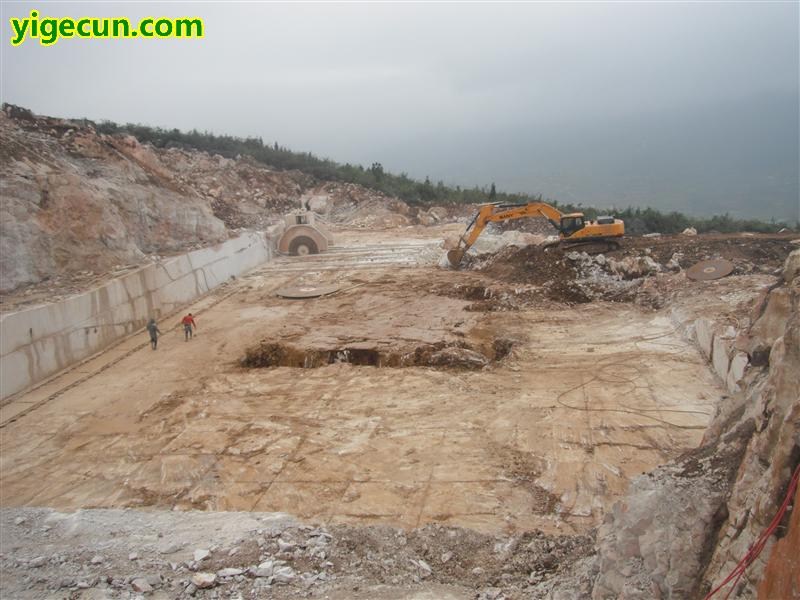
(304,233)
(573,228)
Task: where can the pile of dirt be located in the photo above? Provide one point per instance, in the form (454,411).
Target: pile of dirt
(362,208)
(531,265)
(745,250)
(488,295)
(548,269)
(438,215)
(512,565)
(442,355)
(632,273)
(354,206)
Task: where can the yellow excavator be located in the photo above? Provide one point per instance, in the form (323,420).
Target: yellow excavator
(573,228)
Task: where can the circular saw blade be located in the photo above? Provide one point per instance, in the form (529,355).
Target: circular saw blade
(707,270)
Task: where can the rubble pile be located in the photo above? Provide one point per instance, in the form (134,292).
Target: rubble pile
(362,208)
(748,252)
(439,215)
(241,192)
(572,277)
(235,555)
(642,271)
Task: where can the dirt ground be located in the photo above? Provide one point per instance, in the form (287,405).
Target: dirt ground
(543,435)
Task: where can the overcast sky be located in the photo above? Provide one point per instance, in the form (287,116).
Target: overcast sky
(611,103)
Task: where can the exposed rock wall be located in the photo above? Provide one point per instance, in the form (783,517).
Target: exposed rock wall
(73,200)
(772,402)
(782,573)
(76,200)
(682,528)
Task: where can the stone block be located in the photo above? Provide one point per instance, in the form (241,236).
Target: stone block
(704,334)
(720,357)
(736,371)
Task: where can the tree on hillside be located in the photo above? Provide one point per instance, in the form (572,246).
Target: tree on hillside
(637,220)
(377,171)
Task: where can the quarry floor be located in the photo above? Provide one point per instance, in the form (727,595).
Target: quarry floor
(545,437)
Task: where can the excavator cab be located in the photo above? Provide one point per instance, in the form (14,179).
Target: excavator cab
(571,223)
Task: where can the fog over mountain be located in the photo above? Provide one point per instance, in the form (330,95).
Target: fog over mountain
(739,157)
(684,106)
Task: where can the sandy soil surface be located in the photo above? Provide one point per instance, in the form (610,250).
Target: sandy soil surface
(545,436)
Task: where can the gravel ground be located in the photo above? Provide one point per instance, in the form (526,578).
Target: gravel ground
(97,553)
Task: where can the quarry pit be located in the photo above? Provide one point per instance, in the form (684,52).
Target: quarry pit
(459,411)
(542,434)
(543,423)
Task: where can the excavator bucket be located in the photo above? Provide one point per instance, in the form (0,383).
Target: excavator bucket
(454,257)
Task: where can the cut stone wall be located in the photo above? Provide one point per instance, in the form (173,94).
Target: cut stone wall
(40,341)
(719,345)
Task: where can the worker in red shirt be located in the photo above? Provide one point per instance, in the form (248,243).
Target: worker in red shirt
(188,324)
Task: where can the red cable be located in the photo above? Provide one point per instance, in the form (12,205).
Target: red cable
(756,548)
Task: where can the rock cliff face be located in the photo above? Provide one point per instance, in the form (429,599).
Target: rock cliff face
(683,527)
(74,200)
(772,403)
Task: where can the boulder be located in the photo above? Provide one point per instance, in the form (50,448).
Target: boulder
(284,575)
(200,554)
(647,544)
(141,585)
(204,580)
(791,268)
(634,267)
(318,204)
(265,569)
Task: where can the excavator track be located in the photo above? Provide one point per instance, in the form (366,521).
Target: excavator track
(591,247)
